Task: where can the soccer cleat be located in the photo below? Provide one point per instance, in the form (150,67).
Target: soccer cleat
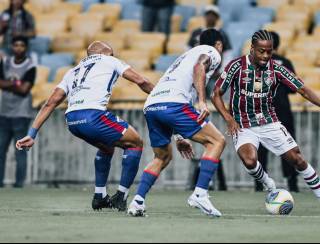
(99,203)
(270,185)
(118,202)
(137,209)
(204,204)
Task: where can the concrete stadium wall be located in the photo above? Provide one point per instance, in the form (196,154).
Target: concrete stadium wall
(60,157)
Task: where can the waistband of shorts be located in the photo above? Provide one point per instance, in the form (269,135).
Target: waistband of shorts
(163,106)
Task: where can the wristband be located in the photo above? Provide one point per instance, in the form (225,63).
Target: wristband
(33,133)
(178,137)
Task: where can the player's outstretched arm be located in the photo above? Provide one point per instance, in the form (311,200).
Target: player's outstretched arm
(144,84)
(310,95)
(216,98)
(54,101)
(199,80)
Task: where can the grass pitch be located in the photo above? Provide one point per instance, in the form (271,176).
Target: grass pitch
(35,215)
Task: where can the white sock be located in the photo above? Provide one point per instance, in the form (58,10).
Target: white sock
(101,190)
(200,192)
(312,179)
(258,173)
(125,191)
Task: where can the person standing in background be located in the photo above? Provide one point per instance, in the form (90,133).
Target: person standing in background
(156,15)
(16,21)
(17,77)
(285,115)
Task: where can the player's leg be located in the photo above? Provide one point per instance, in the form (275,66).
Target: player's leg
(214,142)
(132,144)
(161,160)
(247,143)
(295,158)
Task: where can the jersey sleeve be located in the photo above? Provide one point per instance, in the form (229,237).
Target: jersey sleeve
(288,78)
(120,66)
(228,75)
(64,83)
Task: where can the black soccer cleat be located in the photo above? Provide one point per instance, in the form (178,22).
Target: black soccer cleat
(119,202)
(99,203)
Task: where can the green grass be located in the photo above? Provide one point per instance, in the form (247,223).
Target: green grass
(35,215)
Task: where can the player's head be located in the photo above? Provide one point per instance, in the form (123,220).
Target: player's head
(261,48)
(17,4)
(276,40)
(212,37)
(20,46)
(99,47)
(212,16)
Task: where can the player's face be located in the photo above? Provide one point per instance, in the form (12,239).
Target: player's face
(17,4)
(219,46)
(262,52)
(211,19)
(19,49)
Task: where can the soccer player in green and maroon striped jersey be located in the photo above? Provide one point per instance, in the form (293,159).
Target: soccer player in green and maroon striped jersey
(252,120)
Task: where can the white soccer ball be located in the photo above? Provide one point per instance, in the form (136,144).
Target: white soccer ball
(279,202)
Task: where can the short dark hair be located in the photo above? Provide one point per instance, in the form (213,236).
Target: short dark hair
(23,39)
(210,37)
(276,40)
(261,35)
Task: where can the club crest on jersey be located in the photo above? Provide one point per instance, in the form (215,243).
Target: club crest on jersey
(269,80)
(224,75)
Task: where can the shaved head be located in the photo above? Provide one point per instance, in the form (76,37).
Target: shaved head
(99,47)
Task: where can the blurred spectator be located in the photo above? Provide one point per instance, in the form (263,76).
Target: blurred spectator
(285,115)
(17,76)
(212,19)
(157,15)
(16,21)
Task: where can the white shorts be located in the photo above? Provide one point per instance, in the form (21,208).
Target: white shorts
(274,137)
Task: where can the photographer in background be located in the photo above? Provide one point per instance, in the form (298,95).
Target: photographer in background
(17,77)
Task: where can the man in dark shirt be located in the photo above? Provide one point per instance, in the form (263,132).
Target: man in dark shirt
(17,77)
(285,115)
(157,14)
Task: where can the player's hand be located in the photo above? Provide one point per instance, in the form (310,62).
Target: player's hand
(204,112)
(186,149)
(25,143)
(233,128)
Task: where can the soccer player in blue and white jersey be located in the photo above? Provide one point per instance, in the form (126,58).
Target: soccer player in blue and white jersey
(169,111)
(88,88)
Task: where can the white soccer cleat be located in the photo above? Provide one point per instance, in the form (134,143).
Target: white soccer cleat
(204,204)
(137,210)
(270,185)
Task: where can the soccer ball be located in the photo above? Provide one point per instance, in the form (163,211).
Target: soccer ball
(279,202)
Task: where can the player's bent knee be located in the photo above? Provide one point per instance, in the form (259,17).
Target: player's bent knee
(250,162)
(300,163)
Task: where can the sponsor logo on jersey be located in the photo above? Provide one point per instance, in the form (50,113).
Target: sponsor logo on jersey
(161,93)
(253,94)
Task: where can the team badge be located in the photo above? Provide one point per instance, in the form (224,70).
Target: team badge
(224,75)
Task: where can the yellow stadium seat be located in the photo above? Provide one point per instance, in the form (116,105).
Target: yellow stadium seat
(50,25)
(273,3)
(40,93)
(110,12)
(300,57)
(68,42)
(67,9)
(81,55)
(127,28)
(178,43)
(176,21)
(61,72)
(127,92)
(87,25)
(152,76)
(297,100)
(43,6)
(314,5)
(310,72)
(152,42)
(139,60)
(4,5)
(116,41)
(42,74)
(195,23)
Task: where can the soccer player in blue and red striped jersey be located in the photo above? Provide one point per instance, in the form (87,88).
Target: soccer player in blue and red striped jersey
(252,120)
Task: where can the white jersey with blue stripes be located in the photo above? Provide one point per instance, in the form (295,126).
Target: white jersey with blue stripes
(177,84)
(89,85)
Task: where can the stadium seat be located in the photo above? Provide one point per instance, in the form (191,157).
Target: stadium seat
(176,22)
(195,23)
(131,11)
(300,58)
(40,93)
(187,12)
(67,9)
(51,24)
(317,18)
(60,73)
(139,60)
(164,62)
(127,28)
(56,61)
(313,4)
(261,15)
(235,8)
(152,76)
(198,4)
(68,42)
(87,25)
(80,55)
(41,6)
(85,3)
(40,45)
(111,13)
(42,74)
(272,3)
(116,41)
(177,43)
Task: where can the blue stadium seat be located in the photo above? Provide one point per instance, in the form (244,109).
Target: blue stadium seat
(317,18)
(164,62)
(122,2)
(56,61)
(187,12)
(85,3)
(132,11)
(40,45)
(261,15)
(234,7)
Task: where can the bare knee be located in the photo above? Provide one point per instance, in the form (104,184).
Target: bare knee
(296,159)
(250,161)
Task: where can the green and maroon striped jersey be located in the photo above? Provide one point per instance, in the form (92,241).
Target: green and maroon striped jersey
(252,92)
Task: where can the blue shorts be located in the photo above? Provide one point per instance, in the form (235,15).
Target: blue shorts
(96,126)
(166,119)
